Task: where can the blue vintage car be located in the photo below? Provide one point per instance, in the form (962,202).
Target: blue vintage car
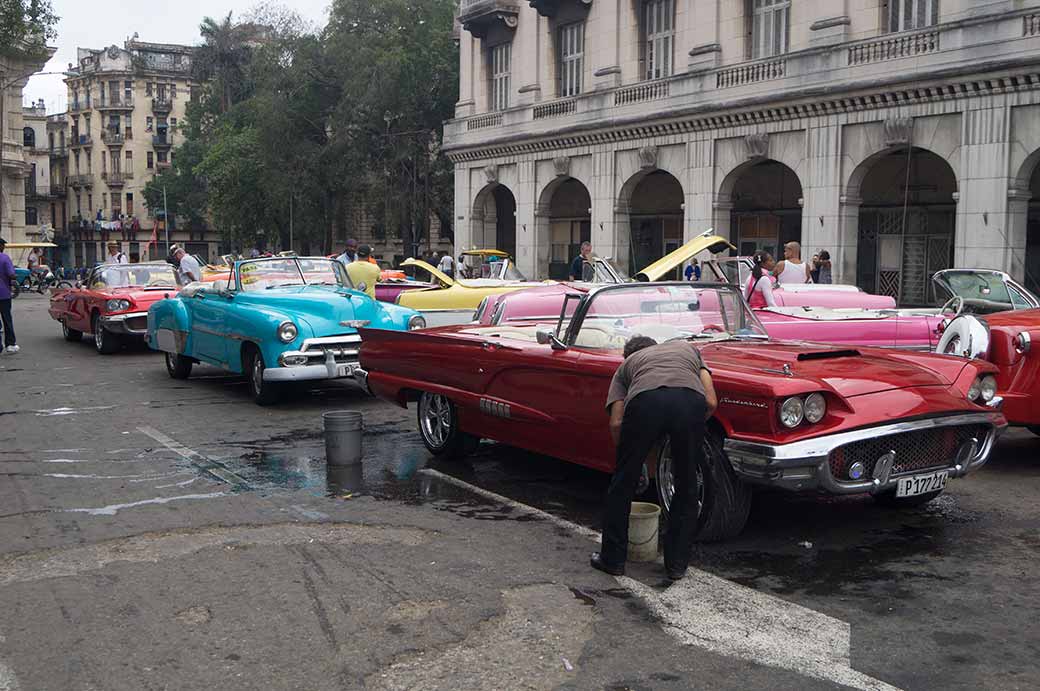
(276,320)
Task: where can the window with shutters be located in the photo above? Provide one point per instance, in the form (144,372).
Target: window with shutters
(770,22)
(500,57)
(658,38)
(572,58)
(903,15)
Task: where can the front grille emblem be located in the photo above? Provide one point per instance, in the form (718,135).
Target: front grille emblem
(883,467)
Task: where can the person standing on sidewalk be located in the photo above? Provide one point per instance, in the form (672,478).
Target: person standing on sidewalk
(658,390)
(6,276)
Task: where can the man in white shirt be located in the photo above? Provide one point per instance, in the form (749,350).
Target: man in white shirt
(188,269)
(350,253)
(447,265)
(116,278)
(792,269)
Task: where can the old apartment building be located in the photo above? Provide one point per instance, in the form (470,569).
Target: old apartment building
(900,135)
(44,192)
(124,108)
(15,157)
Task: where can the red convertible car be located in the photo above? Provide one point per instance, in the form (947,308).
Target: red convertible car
(793,415)
(112,304)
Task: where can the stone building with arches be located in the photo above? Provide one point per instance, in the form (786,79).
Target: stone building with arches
(901,136)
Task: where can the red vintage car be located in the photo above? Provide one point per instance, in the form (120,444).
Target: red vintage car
(1006,339)
(793,415)
(113,303)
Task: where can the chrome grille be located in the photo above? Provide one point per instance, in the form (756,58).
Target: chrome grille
(915,451)
(345,348)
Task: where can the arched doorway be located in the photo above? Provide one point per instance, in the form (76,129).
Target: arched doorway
(570,224)
(906,224)
(1032,265)
(656,218)
(494,219)
(766,211)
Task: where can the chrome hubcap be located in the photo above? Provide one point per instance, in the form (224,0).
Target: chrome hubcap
(64,329)
(435,414)
(666,479)
(99,337)
(169,362)
(953,347)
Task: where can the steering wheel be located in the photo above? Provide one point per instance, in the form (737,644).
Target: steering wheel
(948,305)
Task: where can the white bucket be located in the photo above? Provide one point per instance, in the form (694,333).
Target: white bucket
(643,528)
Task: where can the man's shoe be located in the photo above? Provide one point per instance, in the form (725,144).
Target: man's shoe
(675,574)
(597,563)
(13,349)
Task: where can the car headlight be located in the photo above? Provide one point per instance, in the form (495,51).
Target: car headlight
(116,305)
(815,407)
(416,321)
(988,387)
(975,390)
(792,412)
(287,332)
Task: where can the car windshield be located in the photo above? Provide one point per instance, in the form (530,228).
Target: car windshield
(601,270)
(136,275)
(665,311)
(497,268)
(264,274)
(977,288)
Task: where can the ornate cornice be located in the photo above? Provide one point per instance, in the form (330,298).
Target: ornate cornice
(723,117)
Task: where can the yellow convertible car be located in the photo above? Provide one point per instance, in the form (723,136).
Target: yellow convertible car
(453,301)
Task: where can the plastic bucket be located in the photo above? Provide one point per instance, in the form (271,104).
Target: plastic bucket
(343,430)
(643,528)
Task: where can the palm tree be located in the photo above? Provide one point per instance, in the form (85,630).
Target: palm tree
(223,56)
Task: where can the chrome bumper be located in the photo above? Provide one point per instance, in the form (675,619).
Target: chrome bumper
(117,323)
(805,465)
(319,357)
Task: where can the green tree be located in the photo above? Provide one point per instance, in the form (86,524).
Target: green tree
(26,26)
(223,57)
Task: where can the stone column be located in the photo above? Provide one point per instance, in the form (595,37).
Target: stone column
(603,42)
(1017,219)
(722,211)
(843,258)
(981,238)
(821,192)
(463,200)
(699,192)
(467,72)
(527,246)
(607,219)
(530,80)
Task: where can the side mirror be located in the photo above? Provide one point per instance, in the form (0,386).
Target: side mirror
(547,337)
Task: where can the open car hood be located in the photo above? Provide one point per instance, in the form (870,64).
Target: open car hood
(673,260)
(436,273)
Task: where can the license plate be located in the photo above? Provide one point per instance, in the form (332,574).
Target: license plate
(346,370)
(921,484)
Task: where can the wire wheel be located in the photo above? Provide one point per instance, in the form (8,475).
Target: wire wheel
(666,479)
(436,419)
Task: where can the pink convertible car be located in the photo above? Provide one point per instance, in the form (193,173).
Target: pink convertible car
(821,313)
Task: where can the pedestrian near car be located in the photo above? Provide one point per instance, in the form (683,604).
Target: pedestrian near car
(447,265)
(349,251)
(792,269)
(814,268)
(659,390)
(7,275)
(363,273)
(759,289)
(826,276)
(693,271)
(188,269)
(578,265)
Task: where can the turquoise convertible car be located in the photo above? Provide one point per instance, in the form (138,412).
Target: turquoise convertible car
(276,320)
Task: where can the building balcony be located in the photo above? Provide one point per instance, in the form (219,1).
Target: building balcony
(58,189)
(814,81)
(58,152)
(112,138)
(116,179)
(81,140)
(79,106)
(81,180)
(162,165)
(162,141)
(477,16)
(115,104)
(162,106)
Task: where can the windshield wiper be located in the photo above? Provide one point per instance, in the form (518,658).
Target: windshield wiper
(284,285)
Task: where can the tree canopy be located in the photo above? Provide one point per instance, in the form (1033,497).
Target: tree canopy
(26,26)
(329,122)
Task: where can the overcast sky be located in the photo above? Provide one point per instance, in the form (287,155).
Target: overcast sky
(102,23)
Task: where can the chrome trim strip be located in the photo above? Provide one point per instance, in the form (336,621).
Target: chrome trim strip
(806,464)
(116,323)
(330,340)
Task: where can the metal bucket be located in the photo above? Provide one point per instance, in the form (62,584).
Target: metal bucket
(343,430)
(643,525)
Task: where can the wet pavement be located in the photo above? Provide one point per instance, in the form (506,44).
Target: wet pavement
(100,452)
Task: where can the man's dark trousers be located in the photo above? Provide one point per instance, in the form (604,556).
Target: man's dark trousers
(5,316)
(679,414)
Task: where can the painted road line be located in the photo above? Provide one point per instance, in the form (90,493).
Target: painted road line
(203,463)
(113,509)
(729,619)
